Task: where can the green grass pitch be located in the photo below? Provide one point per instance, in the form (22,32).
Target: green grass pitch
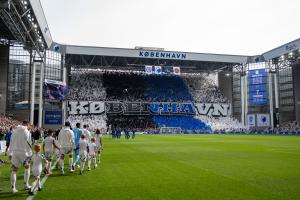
(170,167)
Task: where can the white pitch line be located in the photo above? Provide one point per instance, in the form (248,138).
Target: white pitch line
(42,183)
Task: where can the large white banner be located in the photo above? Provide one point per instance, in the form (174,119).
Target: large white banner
(148,108)
(86,107)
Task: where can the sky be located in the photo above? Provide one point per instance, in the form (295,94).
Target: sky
(241,27)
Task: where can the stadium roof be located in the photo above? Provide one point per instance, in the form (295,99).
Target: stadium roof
(293,46)
(89,56)
(24,21)
(154,54)
(136,59)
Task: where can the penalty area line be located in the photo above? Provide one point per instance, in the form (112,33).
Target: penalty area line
(42,183)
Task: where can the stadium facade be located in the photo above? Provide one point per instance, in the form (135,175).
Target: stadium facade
(29,56)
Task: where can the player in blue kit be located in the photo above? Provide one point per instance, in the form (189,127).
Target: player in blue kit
(127,134)
(77,134)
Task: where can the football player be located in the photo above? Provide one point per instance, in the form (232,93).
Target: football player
(19,153)
(67,144)
(49,146)
(37,159)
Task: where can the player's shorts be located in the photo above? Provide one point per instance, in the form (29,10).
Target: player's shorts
(36,172)
(48,155)
(91,156)
(83,156)
(66,150)
(19,159)
(56,152)
(98,148)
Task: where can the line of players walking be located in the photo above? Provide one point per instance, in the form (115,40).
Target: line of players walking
(86,147)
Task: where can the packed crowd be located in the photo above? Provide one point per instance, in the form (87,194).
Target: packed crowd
(222,124)
(99,85)
(51,148)
(136,86)
(293,126)
(86,85)
(185,123)
(6,123)
(167,89)
(203,88)
(124,86)
(116,85)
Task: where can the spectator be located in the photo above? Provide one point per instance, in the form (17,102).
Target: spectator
(7,139)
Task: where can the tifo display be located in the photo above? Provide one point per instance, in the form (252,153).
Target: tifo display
(191,103)
(120,96)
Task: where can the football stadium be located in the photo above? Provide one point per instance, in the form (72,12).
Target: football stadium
(143,123)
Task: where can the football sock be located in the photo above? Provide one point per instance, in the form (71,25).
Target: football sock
(49,166)
(82,166)
(89,163)
(62,165)
(26,176)
(13,179)
(34,185)
(39,184)
(76,160)
(70,163)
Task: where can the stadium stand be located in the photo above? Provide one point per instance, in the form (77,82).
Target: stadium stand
(187,124)
(222,124)
(172,89)
(167,88)
(130,86)
(117,85)
(130,123)
(86,85)
(124,86)
(7,122)
(203,88)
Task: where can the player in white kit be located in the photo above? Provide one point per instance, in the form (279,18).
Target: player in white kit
(49,146)
(19,153)
(87,133)
(99,145)
(37,159)
(67,144)
(92,153)
(83,152)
